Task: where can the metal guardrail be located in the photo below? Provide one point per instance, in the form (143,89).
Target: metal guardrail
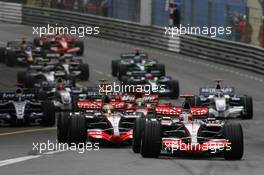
(11,12)
(225,52)
(113,29)
(217,50)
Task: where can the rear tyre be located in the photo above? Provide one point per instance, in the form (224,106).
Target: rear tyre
(81,45)
(122,69)
(151,139)
(247,102)
(114,67)
(21,77)
(29,81)
(138,128)
(234,134)
(85,73)
(2,54)
(62,127)
(11,59)
(77,129)
(161,68)
(195,101)
(49,113)
(36,42)
(175,89)
(46,45)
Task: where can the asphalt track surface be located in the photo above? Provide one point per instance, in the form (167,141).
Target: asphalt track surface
(16,143)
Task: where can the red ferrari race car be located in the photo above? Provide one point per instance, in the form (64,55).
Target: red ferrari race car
(60,44)
(186,129)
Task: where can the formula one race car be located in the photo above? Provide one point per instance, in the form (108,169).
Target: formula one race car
(101,120)
(72,65)
(135,62)
(60,44)
(22,52)
(47,72)
(165,86)
(185,129)
(224,103)
(61,93)
(24,106)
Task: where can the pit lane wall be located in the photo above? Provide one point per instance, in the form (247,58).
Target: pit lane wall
(201,47)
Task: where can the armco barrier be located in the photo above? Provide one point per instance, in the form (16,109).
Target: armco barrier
(118,30)
(10,12)
(201,47)
(225,52)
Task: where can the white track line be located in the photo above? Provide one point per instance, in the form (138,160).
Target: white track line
(2,42)
(16,160)
(25,158)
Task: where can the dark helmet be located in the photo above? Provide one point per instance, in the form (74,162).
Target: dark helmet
(106,99)
(149,76)
(19,92)
(60,84)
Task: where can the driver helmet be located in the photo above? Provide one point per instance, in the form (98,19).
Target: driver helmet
(23,41)
(137,58)
(149,76)
(137,52)
(219,93)
(140,102)
(60,84)
(19,92)
(108,108)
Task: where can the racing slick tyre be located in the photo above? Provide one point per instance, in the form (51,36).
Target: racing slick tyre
(62,127)
(36,42)
(11,59)
(42,95)
(161,68)
(21,77)
(2,54)
(29,81)
(85,73)
(114,67)
(248,106)
(195,101)
(49,113)
(122,69)
(46,45)
(151,139)
(77,129)
(175,89)
(124,79)
(138,128)
(81,45)
(234,134)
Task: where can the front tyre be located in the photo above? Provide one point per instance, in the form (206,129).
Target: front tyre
(48,113)
(234,134)
(77,130)
(85,72)
(138,128)
(62,127)
(151,139)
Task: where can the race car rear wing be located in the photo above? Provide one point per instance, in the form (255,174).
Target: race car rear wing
(132,55)
(206,91)
(13,95)
(155,73)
